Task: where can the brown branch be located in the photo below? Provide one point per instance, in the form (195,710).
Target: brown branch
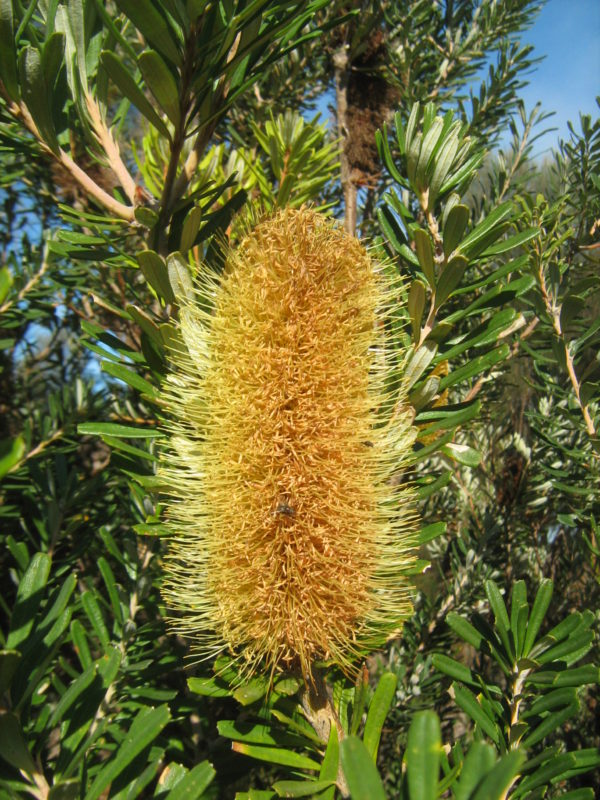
(89,186)
(554,313)
(341,64)
(42,445)
(29,285)
(319,711)
(181,183)
(110,148)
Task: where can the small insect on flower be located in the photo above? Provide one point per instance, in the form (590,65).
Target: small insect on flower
(291,532)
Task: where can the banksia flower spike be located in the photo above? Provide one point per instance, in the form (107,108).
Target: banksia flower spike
(290,532)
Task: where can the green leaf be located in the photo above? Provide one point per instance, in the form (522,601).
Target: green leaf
(502,623)
(475,366)
(462,454)
(6,278)
(393,233)
(114,429)
(448,417)
(111,588)
(360,771)
(179,277)
(497,782)
(153,27)
(194,783)
(538,612)
(513,241)
(146,726)
(29,596)
(561,651)
(330,763)
(424,250)
(11,453)
(8,58)
(13,748)
(161,83)
(547,702)
(454,669)
(519,613)
(9,661)
(301,788)
(275,755)
(444,160)
(75,689)
(478,762)
(252,691)
(487,231)
(129,377)
(549,724)
(37,95)
(574,676)
(361,688)
(422,756)
(92,610)
(130,89)
(190,229)
(209,687)
(418,363)
(263,734)
(466,700)
(454,227)
(431,532)
(428,148)
(450,278)
(66,790)
(155,271)
(378,710)
(416,306)
(146,216)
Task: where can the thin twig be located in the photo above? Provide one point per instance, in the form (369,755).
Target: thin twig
(110,148)
(29,285)
(89,186)
(554,314)
(342,66)
(319,711)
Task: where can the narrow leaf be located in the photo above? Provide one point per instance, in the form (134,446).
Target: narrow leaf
(378,711)
(424,250)
(360,771)
(144,729)
(194,783)
(538,612)
(301,788)
(161,83)
(276,755)
(455,226)
(130,89)
(29,596)
(496,784)
(422,756)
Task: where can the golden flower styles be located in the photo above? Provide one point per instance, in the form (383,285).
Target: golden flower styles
(290,531)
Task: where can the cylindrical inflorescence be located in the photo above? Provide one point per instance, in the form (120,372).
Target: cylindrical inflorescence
(291,533)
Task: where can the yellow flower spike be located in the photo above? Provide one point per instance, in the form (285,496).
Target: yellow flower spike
(291,534)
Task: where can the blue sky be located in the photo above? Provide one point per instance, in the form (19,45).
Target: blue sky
(567,81)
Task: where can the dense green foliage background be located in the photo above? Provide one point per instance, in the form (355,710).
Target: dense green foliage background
(132,137)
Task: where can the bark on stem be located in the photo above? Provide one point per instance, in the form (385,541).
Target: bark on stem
(342,69)
(110,203)
(319,711)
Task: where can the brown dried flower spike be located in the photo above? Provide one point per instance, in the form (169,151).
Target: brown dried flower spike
(291,538)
